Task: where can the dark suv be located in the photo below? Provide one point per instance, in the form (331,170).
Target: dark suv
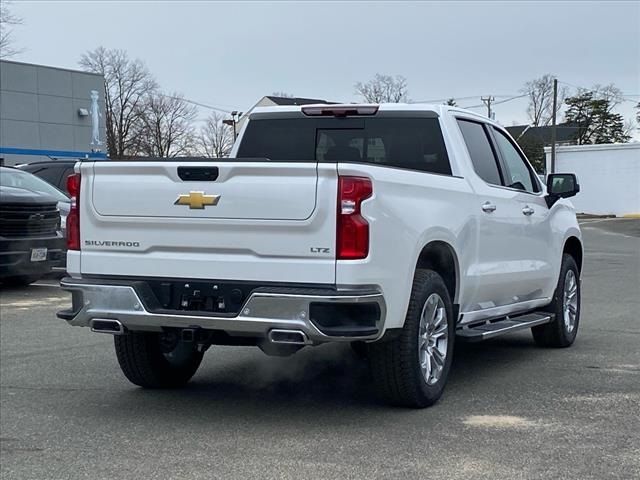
(54,172)
(31,240)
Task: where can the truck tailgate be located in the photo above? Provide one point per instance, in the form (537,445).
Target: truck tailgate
(257,221)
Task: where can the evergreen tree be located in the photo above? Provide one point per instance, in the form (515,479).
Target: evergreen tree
(533,148)
(593,115)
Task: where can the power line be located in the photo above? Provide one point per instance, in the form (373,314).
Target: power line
(508,98)
(496,103)
(443,99)
(512,98)
(471,97)
(193,102)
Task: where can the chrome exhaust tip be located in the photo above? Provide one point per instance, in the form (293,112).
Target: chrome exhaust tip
(107,325)
(288,337)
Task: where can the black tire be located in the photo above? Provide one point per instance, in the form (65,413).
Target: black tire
(395,364)
(557,334)
(21,280)
(151,360)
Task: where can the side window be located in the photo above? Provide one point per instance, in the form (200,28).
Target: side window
(518,174)
(482,156)
(50,174)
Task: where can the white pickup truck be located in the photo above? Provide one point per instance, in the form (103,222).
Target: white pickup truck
(399,228)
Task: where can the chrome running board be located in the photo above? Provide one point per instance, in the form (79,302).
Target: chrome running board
(483,331)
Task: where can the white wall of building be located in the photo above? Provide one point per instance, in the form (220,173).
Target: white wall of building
(609,176)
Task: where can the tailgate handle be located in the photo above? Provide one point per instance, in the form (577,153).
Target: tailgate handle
(198,174)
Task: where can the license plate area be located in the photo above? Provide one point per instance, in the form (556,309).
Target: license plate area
(223,298)
(38,254)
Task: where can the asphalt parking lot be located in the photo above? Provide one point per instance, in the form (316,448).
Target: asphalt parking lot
(511,410)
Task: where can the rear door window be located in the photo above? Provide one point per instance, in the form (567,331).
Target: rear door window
(410,143)
(482,155)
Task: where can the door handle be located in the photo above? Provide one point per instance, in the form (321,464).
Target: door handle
(528,210)
(198,174)
(488,207)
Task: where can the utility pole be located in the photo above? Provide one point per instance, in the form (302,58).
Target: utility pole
(235,117)
(553,126)
(487,101)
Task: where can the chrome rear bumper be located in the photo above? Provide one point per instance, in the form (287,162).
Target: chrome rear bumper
(263,311)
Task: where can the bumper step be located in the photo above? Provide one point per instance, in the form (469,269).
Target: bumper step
(477,333)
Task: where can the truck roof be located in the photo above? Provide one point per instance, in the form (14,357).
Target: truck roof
(382,107)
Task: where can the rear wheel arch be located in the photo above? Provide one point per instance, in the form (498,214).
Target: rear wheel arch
(441,257)
(573,247)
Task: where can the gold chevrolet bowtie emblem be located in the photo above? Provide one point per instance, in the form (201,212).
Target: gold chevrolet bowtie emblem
(197,200)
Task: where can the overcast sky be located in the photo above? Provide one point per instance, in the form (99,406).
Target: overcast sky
(231,54)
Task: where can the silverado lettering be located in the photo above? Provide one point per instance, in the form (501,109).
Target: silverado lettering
(108,243)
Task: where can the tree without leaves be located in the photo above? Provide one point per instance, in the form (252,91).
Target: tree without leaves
(592,112)
(7,21)
(282,95)
(540,93)
(628,128)
(383,89)
(612,94)
(166,127)
(127,82)
(216,138)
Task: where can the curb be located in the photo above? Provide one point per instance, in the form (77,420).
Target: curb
(583,216)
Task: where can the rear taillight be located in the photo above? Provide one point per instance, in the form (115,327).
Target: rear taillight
(73,218)
(352,232)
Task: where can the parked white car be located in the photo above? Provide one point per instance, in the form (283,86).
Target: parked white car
(400,228)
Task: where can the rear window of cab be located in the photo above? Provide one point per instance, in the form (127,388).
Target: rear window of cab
(410,143)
